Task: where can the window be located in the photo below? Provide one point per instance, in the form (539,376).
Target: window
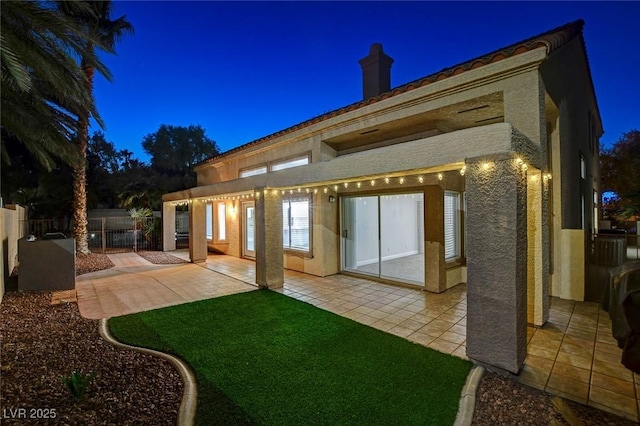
(254,171)
(583,167)
(301,161)
(451,225)
(595,212)
(209,220)
(222,221)
(296,230)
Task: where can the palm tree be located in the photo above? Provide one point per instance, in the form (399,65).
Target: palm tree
(43,87)
(95,17)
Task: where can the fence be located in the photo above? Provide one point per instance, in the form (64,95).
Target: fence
(107,234)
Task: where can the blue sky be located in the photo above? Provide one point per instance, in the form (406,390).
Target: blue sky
(244,70)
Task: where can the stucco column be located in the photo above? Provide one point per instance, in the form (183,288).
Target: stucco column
(197,232)
(269,251)
(497,262)
(435,279)
(168,227)
(537,250)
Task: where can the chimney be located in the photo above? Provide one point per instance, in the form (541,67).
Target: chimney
(376,72)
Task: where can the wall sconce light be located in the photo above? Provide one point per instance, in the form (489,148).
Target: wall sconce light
(440,176)
(332,199)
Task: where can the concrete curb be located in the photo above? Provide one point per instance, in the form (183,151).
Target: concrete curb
(468,397)
(187,410)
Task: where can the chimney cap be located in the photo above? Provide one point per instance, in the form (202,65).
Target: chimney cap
(375,48)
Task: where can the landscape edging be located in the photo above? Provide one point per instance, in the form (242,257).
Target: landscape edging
(468,397)
(187,410)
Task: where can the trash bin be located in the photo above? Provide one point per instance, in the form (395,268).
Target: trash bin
(47,264)
(610,249)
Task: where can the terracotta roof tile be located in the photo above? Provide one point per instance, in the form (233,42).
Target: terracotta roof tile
(551,40)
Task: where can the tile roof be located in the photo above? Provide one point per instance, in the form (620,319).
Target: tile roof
(551,40)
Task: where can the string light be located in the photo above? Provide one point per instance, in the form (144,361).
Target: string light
(358,184)
(373,182)
(386,180)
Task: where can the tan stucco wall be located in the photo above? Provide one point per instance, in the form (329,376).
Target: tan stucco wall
(568,281)
(10,232)
(456,275)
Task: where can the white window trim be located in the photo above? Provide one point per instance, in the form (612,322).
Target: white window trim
(287,247)
(455,226)
(221,221)
(253,171)
(209,221)
(290,163)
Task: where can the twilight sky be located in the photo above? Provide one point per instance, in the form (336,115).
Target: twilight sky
(244,70)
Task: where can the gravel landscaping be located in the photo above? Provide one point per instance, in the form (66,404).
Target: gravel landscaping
(43,343)
(503,401)
(160,258)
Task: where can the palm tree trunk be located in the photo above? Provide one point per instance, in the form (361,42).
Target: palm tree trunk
(80,232)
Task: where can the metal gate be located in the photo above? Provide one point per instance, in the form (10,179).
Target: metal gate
(107,234)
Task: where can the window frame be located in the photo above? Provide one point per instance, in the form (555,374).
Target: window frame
(218,229)
(268,166)
(455,218)
(286,216)
(242,175)
(285,161)
(208,214)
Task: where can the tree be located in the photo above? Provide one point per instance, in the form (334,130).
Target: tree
(95,18)
(620,171)
(175,150)
(103,168)
(43,87)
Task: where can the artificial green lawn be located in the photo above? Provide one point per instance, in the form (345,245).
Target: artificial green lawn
(264,358)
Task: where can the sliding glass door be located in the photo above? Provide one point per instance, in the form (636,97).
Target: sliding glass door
(383,236)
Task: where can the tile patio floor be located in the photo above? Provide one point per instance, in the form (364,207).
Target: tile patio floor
(573,355)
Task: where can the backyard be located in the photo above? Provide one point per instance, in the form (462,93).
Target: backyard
(42,343)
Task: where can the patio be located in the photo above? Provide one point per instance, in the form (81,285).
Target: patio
(573,355)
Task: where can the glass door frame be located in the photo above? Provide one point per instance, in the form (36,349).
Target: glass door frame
(347,262)
(246,251)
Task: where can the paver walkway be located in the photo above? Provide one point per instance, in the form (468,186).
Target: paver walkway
(136,285)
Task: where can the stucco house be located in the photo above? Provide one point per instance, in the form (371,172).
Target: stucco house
(484,173)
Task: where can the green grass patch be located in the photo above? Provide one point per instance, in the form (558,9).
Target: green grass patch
(264,358)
